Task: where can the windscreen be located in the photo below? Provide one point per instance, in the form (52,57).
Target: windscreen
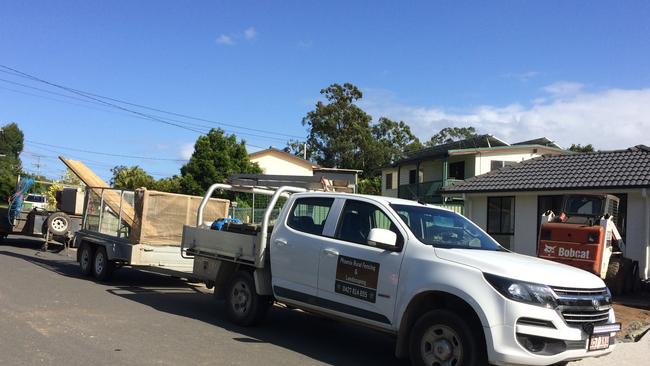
(444,229)
(33,198)
(583,206)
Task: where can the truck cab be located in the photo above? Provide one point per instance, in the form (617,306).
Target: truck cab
(447,291)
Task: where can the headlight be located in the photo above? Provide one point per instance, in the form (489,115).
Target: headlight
(521,291)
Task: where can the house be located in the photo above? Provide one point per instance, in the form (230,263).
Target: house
(508,203)
(273,161)
(422,173)
(282,168)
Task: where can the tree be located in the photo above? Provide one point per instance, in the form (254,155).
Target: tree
(451,134)
(11,145)
(71,179)
(215,157)
(582,149)
(131,178)
(171,184)
(390,140)
(339,131)
(297,148)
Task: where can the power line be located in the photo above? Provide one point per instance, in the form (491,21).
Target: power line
(111,111)
(96,97)
(104,153)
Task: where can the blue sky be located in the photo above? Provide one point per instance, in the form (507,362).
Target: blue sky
(575,71)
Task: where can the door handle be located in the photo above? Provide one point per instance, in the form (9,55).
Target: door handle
(280,242)
(331,252)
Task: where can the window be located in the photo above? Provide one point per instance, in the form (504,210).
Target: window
(444,229)
(389,181)
(309,214)
(413,176)
(501,219)
(457,170)
(498,164)
(358,218)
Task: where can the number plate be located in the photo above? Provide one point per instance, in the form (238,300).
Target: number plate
(598,342)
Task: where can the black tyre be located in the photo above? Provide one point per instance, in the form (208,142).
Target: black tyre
(86,257)
(442,338)
(243,305)
(58,223)
(102,267)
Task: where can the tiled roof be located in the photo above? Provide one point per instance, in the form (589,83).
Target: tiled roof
(441,150)
(628,168)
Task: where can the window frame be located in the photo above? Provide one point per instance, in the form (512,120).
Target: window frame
(413,176)
(389,181)
(512,213)
(297,201)
(399,243)
(456,163)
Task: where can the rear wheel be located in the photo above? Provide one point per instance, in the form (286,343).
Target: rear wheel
(243,305)
(86,255)
(442,338)
(102,267)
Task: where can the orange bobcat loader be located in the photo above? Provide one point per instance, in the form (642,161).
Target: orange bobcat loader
(584,235)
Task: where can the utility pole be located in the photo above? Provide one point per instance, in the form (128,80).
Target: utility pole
(304,151)
(38,164)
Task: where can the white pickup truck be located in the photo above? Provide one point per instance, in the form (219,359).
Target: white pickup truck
(448,292)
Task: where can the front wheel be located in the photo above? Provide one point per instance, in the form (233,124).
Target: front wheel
(243,305)
(442,338)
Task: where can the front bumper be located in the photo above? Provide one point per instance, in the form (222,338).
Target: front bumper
(570,342)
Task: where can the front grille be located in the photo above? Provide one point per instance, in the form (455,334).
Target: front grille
(583,306)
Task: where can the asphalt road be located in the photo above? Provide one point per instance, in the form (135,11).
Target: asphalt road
(50,315)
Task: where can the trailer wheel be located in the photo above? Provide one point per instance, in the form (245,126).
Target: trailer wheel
(86,255)
(102,267)
(243,305)
(441,337)
(58,223)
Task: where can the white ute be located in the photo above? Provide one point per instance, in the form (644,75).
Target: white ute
(447,291)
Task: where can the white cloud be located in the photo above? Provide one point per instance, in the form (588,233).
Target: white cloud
(564,88)
(186,150)
(609,119)
(250,33)
(225,40)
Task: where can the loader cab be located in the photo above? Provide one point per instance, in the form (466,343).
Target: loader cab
(585,209)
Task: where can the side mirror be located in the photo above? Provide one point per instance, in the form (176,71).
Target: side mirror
(382,238)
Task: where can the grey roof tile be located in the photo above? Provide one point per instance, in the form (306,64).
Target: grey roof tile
(627,168)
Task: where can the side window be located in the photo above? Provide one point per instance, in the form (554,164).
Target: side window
(309,214)
(358,218)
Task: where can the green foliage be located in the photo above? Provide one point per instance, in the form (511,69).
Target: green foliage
(71,179)
(11,145)
(582,149)
(451,134)
(131,178)
(390,140)
(339,131)
(171,184)
(341,134)
(370,186)
(216,156)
